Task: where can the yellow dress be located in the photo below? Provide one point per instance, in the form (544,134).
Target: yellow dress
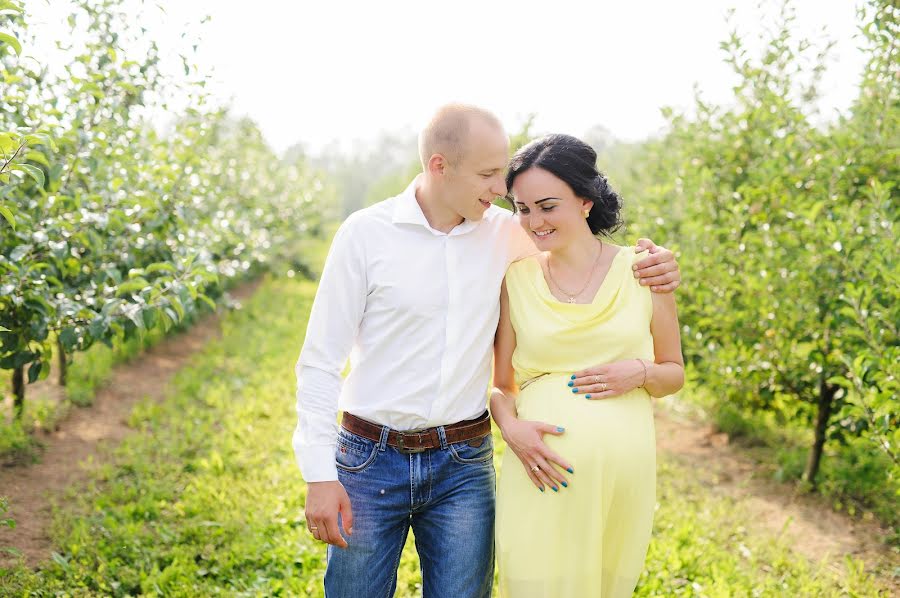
(591,538)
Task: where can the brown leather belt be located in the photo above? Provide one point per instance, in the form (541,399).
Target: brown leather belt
(420,440)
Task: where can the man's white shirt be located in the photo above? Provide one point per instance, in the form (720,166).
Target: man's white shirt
(416,311)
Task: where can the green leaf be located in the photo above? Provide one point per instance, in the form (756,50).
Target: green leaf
(7,143)
(19,252)
(33,171)
(6,38)
(38,157)
(4,211)
(207,300)
(68,338)
(34,371)
(161,267)
(131,286)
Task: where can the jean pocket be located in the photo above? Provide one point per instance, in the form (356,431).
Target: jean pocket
(473,451)
(354,453)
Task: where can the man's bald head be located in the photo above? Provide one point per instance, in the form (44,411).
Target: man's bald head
(447,131)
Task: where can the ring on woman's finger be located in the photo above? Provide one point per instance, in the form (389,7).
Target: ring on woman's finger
(597,379)
(603,386)
(535,469)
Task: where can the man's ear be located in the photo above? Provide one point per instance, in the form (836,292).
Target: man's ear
(437,165)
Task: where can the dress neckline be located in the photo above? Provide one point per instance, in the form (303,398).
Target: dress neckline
(544,286)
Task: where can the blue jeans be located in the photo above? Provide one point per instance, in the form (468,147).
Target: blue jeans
(445,494)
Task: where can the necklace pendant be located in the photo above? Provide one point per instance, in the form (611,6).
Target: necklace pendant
(571,299)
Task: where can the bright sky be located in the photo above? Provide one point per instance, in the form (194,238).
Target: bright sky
(329,70)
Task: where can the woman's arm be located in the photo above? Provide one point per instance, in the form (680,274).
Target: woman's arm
(666,374)
(524,438)
(503,395)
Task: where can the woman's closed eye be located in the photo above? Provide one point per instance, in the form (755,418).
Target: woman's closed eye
(524,210)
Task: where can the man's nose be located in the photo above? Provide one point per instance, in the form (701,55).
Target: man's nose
(499,188)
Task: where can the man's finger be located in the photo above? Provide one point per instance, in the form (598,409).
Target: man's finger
(666,288)
(346,515)
(657,270)
(653,259)
(645,244)
(334,533)
(660,280)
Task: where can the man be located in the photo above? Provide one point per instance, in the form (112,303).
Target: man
(410,291)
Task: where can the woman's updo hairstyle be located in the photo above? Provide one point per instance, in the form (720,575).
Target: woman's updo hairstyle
(574,162)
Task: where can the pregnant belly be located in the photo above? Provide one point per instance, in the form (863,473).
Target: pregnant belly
(618,427)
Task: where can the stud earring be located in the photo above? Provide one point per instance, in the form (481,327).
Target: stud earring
(586,212)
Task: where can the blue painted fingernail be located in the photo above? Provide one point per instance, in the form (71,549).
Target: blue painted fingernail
(587,396)
(571,384)
(560,429)
(574,390)
(573,376)
(541,488)
(565,485)
(570,470)
(555,489)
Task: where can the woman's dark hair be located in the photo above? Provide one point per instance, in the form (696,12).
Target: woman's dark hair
(574,162)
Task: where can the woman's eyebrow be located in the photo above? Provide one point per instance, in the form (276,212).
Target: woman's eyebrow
(538,201)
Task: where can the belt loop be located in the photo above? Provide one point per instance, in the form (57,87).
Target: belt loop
(382,443)
(442,435)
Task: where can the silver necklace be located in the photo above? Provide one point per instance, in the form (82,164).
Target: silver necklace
(571,297)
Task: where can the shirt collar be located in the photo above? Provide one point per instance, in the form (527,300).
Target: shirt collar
(408,211)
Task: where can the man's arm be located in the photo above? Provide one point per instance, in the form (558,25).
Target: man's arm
(659,270)
(333,325)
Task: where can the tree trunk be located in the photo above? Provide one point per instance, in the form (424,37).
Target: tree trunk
(18,387)
(62,362)
(826,405)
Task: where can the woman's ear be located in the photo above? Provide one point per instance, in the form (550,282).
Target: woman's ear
(586,206)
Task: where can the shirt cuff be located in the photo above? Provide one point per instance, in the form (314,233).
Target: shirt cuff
(317,463)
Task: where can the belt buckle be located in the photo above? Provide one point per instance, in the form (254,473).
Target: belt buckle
(401,444)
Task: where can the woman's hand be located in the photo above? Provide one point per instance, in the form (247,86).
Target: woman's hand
(526,439)
(609,380)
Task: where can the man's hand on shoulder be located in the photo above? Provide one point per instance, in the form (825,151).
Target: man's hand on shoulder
(659,270)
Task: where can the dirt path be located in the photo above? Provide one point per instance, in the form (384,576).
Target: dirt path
(86,431)
(810,527)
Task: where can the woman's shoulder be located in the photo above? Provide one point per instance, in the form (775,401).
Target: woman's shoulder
(526,264)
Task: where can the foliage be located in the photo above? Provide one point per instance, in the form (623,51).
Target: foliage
(787,239)
(111,227)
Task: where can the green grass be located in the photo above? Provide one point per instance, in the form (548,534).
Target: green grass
(206,500)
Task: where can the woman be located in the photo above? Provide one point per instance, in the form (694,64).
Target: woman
(575,304)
